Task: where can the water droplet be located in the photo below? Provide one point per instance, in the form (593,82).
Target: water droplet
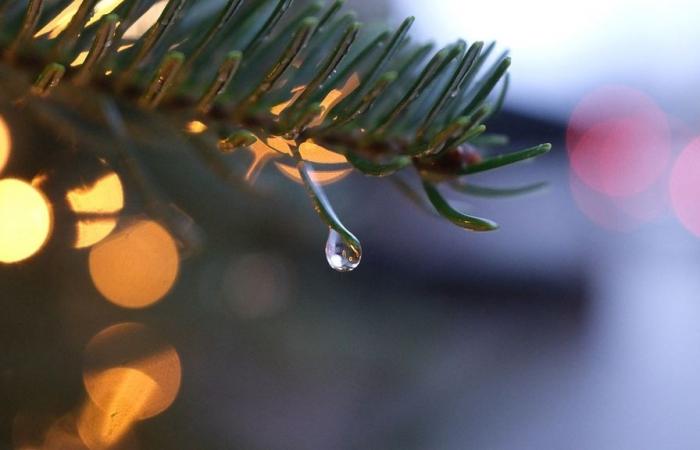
(342,256)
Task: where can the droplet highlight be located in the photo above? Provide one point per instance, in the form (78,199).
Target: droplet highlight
(342,256)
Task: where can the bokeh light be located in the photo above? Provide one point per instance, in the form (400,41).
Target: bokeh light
(147,19)
(25,220)
(196,127)
(131,371)
(685,187)
(257,285)
(102,8)
(104,199)
(108,430)
(280,144)
(60,21)
(136,266)
(5,143)
(39,430)
(262,154)
(336,96)
(123,394)
(321,177)
(622,214)
(274,146)
(313,153)
(63,435)
(282,107)
(80,59)
(618,141)
(270,148)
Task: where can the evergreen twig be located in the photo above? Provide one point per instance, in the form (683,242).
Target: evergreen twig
(378,124)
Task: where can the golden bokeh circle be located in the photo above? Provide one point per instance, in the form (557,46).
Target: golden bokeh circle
(113,428)
(26,220)
(131,370)
(136,266)
(103,198)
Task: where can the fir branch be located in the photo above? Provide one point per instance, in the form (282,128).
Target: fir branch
(386,105)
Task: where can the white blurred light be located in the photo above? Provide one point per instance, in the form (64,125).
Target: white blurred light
(562,49)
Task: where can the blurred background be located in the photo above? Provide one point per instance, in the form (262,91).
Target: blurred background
(573,326)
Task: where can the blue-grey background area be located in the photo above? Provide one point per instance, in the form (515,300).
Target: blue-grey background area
(551,333)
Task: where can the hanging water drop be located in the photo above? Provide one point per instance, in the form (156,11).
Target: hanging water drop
(341,255)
